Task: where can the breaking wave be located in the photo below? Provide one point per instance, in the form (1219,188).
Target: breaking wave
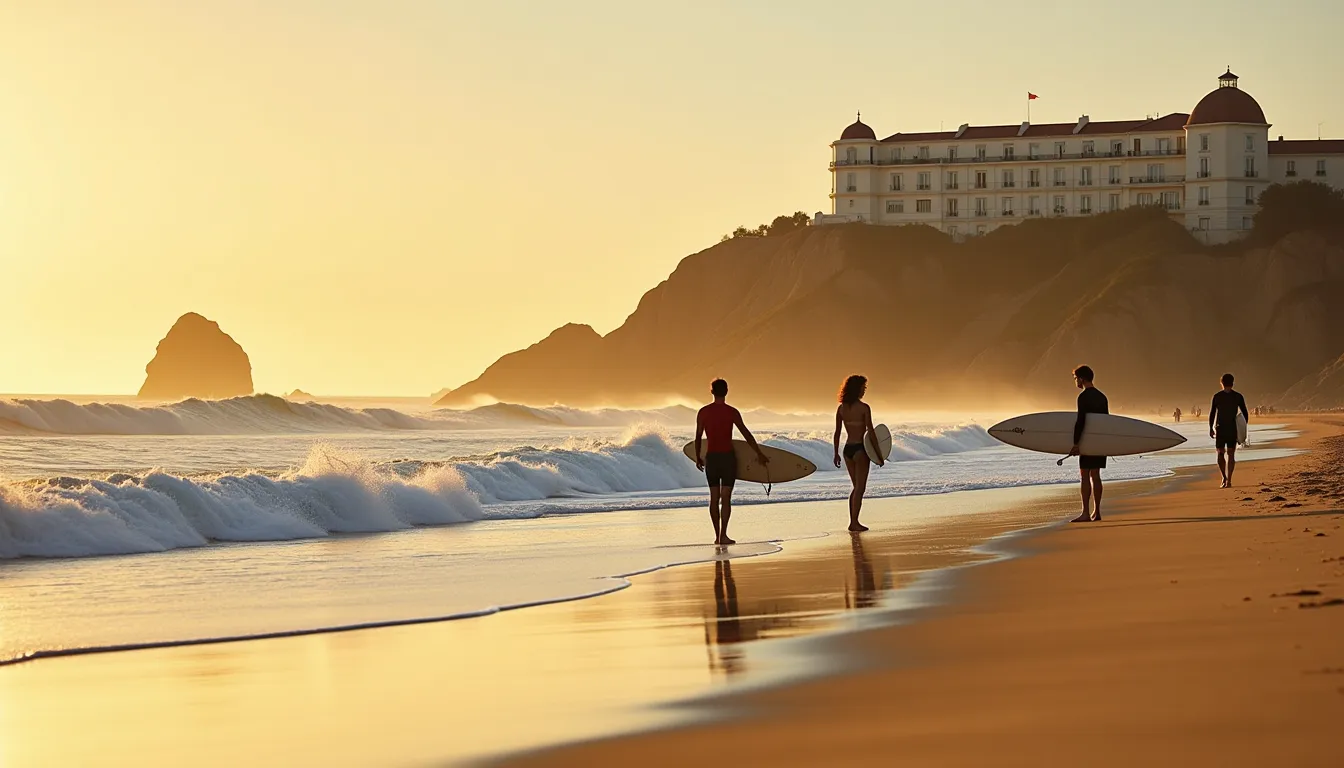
(336,493)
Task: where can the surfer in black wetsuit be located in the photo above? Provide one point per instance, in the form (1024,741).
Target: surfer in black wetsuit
(1223,426)
(1090,400)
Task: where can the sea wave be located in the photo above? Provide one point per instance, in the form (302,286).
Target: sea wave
(268,414)
(334,492)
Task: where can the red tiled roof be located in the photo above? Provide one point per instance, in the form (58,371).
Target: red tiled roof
(1172,122)
(858,130)
(1307,147)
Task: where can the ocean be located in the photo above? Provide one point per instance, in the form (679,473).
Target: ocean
(125,526)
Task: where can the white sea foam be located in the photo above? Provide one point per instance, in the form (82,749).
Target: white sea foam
(336,492)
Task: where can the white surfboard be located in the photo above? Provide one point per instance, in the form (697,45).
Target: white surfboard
(1242,428)
(883,447)
(1103,434)
(783,467)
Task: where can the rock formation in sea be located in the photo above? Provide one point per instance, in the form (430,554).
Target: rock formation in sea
(197,359)
(998,321)
(298,394)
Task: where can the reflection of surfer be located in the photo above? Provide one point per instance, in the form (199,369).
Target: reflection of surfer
(857,419)
(865,586)
(727,626)
(715,422)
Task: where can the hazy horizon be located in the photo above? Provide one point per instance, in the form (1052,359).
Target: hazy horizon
(383,200)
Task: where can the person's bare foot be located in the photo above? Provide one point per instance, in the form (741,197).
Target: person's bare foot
(857,528)
(725,541)
(1096,516)
(1086,517)
(1225,484)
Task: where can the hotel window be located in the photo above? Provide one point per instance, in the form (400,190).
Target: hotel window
(895,206)
(895,182)
(1292,167)
(979,151)
(1145,198)
(1250,167)
(1204,224)
(1008,180)
(1320,167)
(1089,148)
(1117,148)
(952,207)
(1138,147)
(1059,204)
(1059,177)
(1007,151)
(1085,177)
(1250,195)
(951,153)
(980,180)
(923,206)
(1250,143)
(1034,177)
(1007,206)
(1114,174)
(1034,205)
(850,185)
(1203,195)
(925,180)
(1085,204)
(1157,172)
(896,154)
(1034,150)
(981,206)
(1203,142)
(923,153)
(1115,202)
(1171,201)
(1164,146)
(851,155)
(952,180)
(1059,149)
(1245,222)
(1203,167)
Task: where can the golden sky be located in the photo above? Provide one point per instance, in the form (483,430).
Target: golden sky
(383,197)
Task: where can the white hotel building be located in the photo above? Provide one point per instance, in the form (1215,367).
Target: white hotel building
(1206,168)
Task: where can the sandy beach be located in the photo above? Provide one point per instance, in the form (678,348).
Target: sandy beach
(1194,626)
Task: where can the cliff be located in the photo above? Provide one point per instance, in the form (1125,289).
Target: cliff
(197,359)
(1001,318)
(1321,390)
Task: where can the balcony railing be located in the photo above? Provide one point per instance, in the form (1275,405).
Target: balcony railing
(1059,183)
(1205,174)
(1084,182)
(1113,180)
(923,187)
(1005,159)
(981,214)
(1172,206)
(1034,183)
(1060,210)
(982,185)
(1006,213)
(1156,179)
(1084,211)
(851,188)
(1203,202)
(1034,213)
(953,185)
(1320,173)
(1252,175)
(1009,184)
(1249,201)
(894,188)
(1291,173)
(953,214)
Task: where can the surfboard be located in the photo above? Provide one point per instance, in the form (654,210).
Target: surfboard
(784,465)
(1103,434)
(883,447)
(1242,428)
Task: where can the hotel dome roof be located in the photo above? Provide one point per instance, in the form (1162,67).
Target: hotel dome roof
(1227,104)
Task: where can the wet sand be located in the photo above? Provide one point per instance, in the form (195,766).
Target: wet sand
(1194,626)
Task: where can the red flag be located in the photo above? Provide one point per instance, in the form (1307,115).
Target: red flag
(1031,96)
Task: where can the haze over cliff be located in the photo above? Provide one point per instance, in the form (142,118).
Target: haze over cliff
(1001,318)
(197,359)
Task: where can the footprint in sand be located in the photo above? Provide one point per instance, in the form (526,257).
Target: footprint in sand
(1277,498)
(1323,603)
(1300,593)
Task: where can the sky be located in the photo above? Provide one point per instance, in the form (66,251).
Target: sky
(381,198)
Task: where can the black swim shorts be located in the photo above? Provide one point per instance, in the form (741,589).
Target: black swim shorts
(1091,462)
(721,469)
(1226,438)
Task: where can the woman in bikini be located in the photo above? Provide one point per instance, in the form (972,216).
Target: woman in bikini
(857,419)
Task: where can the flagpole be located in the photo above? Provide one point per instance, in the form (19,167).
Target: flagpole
(1028,107)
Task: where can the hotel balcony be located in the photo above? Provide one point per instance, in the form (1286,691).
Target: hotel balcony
(1156,179)
(1006,159)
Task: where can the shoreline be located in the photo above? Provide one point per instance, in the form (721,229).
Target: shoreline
(932,661)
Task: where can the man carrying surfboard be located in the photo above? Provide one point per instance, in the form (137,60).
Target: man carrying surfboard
(715,422)
(1223,426)
(1090,400)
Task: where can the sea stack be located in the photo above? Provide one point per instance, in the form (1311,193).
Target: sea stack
(197,359)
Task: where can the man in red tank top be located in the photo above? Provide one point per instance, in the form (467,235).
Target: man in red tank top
(716,459)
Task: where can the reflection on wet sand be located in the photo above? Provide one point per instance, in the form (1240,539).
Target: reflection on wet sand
(775,606)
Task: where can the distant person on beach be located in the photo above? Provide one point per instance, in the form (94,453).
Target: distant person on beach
(857,419)
(715,422)
(1090,400)
(1177,415)
(1223,426)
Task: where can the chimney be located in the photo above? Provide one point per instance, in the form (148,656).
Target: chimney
(1023,129)
(962,130)
(1280,138)
(1082,123)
